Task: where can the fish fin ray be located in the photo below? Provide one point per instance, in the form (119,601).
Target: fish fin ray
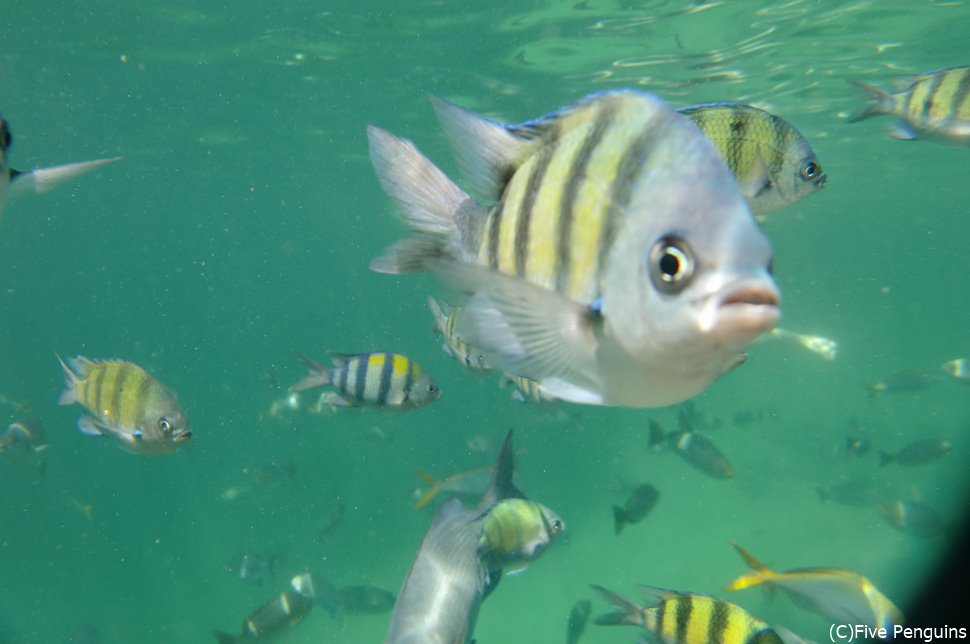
(42,180)
(629,613)
(319,375)
(90,426)
(876,103)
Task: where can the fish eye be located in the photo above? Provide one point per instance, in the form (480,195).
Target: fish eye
(671,264)
(811,170)
(557,525)
(164,425)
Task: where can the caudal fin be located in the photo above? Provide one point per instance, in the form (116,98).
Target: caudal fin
(319,375)
(427,198)
(879,102)
(629,612)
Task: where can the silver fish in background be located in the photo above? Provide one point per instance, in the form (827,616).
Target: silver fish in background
(919,452)
(619,265)
(365,599)
(934,105)
(903,381)
(773,163)
(824,347)
(469,482)
(446,319)
(14,183)
(914,518)
(694,448)
(578,618)
(126,403)
(638,505)
(254,567)
(447,582)
(527,390)
(378,379)
(279,614)
(25,441)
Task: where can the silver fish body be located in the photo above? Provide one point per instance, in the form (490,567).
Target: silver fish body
(446,320)
(277,615)
(619,265)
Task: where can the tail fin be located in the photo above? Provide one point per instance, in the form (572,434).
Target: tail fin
(69,395)
(629,612)
(319,374)
(761,573)
(429,201)
(434,486)
(224,638)
(619,519)
(878,102)
(657,435)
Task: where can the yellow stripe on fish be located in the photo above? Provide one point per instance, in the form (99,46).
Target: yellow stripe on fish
(689,618)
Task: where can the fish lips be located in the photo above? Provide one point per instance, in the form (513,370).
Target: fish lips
(747,310)
(182,436)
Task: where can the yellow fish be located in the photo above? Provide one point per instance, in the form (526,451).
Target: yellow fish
(126,403)
(842,595)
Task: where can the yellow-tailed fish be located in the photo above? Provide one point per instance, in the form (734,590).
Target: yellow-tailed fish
(688,618)
(772,162)
(14,183)
(446,318)
(823,347)
(914,518)
(516,531)
(616,262)
(934,105)
(470,482)
(377,379)
(839,594)
(126,403)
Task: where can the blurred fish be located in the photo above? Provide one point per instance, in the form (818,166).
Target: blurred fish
(515,532)
(381,380)
(687,618)
(481,444)
(14,183)
(335,518)
(693,448)
(527,390)
(903,381)
(959,369)
(842,595)
(127,404)
(619,264)
(860,492)
(578,617)
(690,417)
(934,105)
(26,433)
(443,590)
(637,506)
(823,347)
(857,444)
(254,567)
(469,482)
(365,599)
(272,472)
(914,518)
(84,634)
(446,318)
(918,453)
(773,163)
(277,615)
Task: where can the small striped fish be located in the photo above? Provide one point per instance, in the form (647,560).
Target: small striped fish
(126,403)
(516,531)
(446,319)
(772,162)
(689,618)
(614,261)
(14,183)
(376,379)
(934,105)
(527,390)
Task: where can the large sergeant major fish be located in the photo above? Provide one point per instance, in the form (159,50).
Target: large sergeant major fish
(447,582)
(14,183)
(620,264)
(126,403)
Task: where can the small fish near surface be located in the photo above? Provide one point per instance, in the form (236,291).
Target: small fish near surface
(920,452)
(14,183)
(612,259)
(674,617)
(773,163)
(914,518)
(441,595)
(126,403)
(839,594)
(381,380)
(446,320)
(934,105)
(641,501)
(578,618)
(277,615)
(694,448)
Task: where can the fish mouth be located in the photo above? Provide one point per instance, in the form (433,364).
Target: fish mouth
(749,311)
(184,436)
(752,295)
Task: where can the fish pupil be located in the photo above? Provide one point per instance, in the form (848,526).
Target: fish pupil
(671,264)
(810,170)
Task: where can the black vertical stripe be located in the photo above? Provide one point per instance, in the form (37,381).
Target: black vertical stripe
(961,95)
(532,188)
(717,622)
(661,613)
(408,382)
(781,135)
(119,390)
(360,376)
(738,124)
(495,225)
(935,81)
(343,376)
(386,372)
(577,174)
(96,379)
(141,392)
(629,167)
(684,607)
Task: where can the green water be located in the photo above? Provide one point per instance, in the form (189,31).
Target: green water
(239,227)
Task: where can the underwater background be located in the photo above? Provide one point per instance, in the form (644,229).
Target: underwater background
(239,227)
